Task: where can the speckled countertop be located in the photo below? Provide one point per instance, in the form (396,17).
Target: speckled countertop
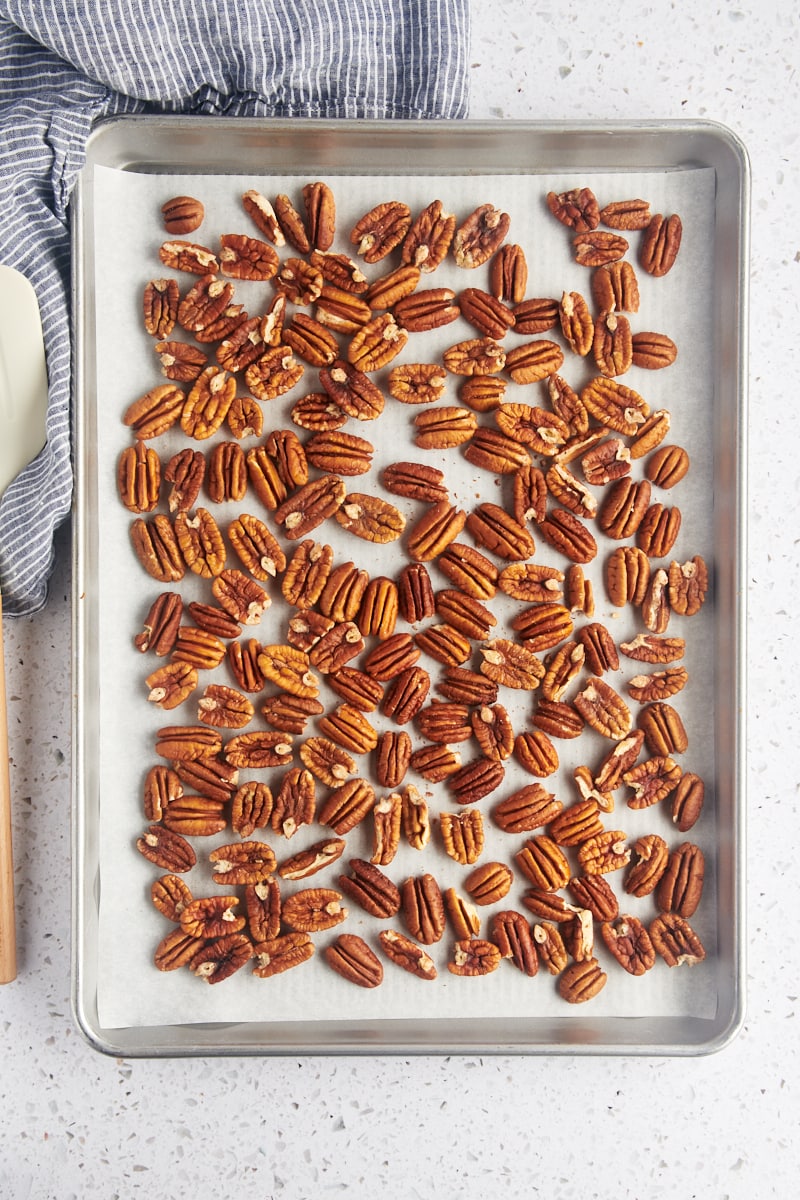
(76,1124)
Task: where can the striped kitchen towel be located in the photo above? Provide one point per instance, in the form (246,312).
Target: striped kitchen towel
(66,63)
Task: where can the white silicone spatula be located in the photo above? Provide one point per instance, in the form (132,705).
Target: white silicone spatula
(23,407)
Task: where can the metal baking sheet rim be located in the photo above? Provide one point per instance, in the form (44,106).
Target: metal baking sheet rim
(179,144)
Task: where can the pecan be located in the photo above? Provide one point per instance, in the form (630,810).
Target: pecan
(536,315)
(211,917)
(595,894)
(428,239)
(376,343)
(180,255)
(306,574)
(157,548)
(295,802)
(681,886)
(340,272)
(600,650)
(415,816)
(687,801)
(612,345)
(320,209)
(336,647)
(329,762)
(607,462)
(256,547)
(263,215)
(423,908)
(479,236)
(475,356)
(385,292)
(653,351)
(435,762)
(444,427)
(371,889)
(195,816)
(171,684)
(351,957)
(219,959)
(370,518)
(289,668)
(262,902)
(392,756)
(475,780)
(160,304)
(561,668)
(462,835)
(627,575)
(186,743)
(604,852)
(343,592)
(508,273)
(162,785)
(139,478)
(313,910)
(660,244)
(533,361)
(511,665)
(651,781)
(575,823)
(313,859)
(278,954)
(198,647)
(318,413)
(352,390)
(597,247)
(274,373)
(349,728)
(201,543)
(347,806)
(176,950)
(542,626)
(667,466)
(688,586)
(395,654)
(444,643)
(482,393)
(549,906)
(170,895)
(530,582)
(655,605)
(568,491)
(543,863)
(604,709)
(550,947)
(562,530)
(496,452)
(474,956)
(489,882)
(493,732)
(338,309)
(578,591)
(651,433)
(207,404)
(416,383)
(658,530)
(619,759)
(380,230)
(535,753)
(464,613)
(241,597)
(581,981)
(166,849)
(310,505)
(290,714)
(406,954)
(577,208)
(265,478)
(676,941)
(310,340)
(616,406)
(160,629)
(473,574)
(490,316)
(243,257)
(626,214)
(628,940)
(204,304)
(511,934)
(435,530)
(495,530)
(615,286)
(663,728)
(251,808)
(428,309)
(406,695)
(415,597)
(660,685)
(462,914)
(259,749)
(623,508)
(576,323)
(226,477)
(558,719)
(377,614)
(357,688)
(299,281)
(387,816)
(185,471)
(542,431)
(210,777)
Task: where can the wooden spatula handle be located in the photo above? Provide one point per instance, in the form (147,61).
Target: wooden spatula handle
(8,934)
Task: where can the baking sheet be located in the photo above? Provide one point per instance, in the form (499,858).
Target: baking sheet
(126,236)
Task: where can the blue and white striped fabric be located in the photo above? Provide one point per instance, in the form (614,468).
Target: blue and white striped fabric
(66,63)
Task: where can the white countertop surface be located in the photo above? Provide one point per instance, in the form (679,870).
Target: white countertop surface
(76,1123)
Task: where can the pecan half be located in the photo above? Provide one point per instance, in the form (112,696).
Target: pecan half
(313,910)
(423,909)
(351,957)
(275,955)
(406,954)
(371,889)
(676,941)
(660,244)
(380,230)
(474,956)
(428,240)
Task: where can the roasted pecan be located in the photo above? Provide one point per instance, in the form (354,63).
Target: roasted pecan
(576,322)
(160,304)
(462,835)
(595,894)
(535,753)
(604,852)
(318,413)
(162,785)
(274,373)
(652,351)
(531,582)
(482,393)
(416,383)
(434,531)
(474,956)
(380,230)
(627,575)
(475,779)
(351,957)
(166,849)
(676,941)
(475,356)
(558,719)
(262,902)
(508,273)
(629,942)
(313,859)
(251,808)
(204,303)
(157,548)
(511,665)
(259,749)
(533,361)
(406,694)
(371,889)
(550,946)
(275,955)
(392,756)
(160,629)
(688,584)
(241,597)
(290,714)
(543,863)
(581,981)
(320,209)
(370,518)
(664,732)
(687,801)
(384,293)
(612,345)
(578,591)
(387,816)
(619,759)
(349,728)
(649,864)
(310,505)
(444,427)
(576,208)
(536,315)
(489,315)
(211,917)
(139,478)
(651,433)
(347,806)
(681,886)
(338,309)
(176,950)
(295,802)
(604,709)
(462,914)
(313,909)
(542,626)
(575,823)
(207,404)
(489,882)
(310,340)
(511,933)
(480,235)
(243,257)
(616,406)
(415,818)
(376,343)
(495,530)
(186,472)
(608,461)
(188,742)
(660,685)
(262,213)
(658,530)
(660,244)
(201,542)
(428,239)
(597,247)
(171,684)
(428,309)
(562,530)
(170,895)
(406,954)
(623,508)
(435,762)
(444,643)
(180,255)
(356,687)
(219,959)
(352,390)
(423,908)
(561,667)
(493,731)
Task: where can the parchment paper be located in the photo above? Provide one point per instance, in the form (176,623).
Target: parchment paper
(131,992)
